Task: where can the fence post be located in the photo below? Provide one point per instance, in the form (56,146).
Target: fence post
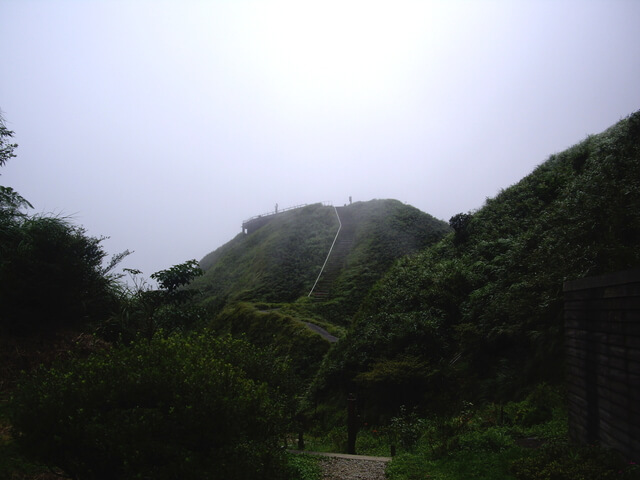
(352,424)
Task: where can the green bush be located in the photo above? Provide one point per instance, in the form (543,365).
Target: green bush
(405,429)
(287,335)
(143,310)
(304,467)
(51,276)
(564,462)
(337,438)
(176,407)
(536,409)
(493,439)
(373,441)
(407,466)
(467,465)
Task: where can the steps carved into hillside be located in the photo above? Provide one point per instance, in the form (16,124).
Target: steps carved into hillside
(337,259)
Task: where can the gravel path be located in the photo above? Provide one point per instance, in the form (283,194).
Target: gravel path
(322,332)
(341,468)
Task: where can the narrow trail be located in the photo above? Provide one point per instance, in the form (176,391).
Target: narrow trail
(337,466)
(322,332)
(353,467)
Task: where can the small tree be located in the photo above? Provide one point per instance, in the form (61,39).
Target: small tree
(172,279)
(460,224)
(144,310)
(6,148)
(10,201)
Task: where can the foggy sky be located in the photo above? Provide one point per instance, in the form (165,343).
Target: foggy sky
(164,124)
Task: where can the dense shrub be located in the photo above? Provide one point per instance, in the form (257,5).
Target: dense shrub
(304,467)
(51,275)
(144,310)
(565,462)
(177,407)
(265,326)
(476,444)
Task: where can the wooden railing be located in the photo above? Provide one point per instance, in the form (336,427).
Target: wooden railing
(273,213)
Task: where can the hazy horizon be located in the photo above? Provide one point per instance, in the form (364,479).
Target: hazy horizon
(164,125)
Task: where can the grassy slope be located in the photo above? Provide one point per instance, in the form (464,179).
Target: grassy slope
(480,314)
(280,261)
(268,325)
(386,231)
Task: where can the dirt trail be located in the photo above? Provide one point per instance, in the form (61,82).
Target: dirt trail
(338,466)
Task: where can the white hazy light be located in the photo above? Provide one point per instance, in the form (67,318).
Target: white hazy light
(165,123)
(336,50)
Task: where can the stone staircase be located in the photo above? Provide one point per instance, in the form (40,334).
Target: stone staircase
(336,261)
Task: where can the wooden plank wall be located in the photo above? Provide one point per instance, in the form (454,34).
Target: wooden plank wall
(602,336)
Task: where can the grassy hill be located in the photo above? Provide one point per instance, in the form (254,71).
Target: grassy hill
(276,263)
(280,261)
(479,315)
(383,232)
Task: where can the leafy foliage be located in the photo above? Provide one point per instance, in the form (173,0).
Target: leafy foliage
(6,148)
(405,429)
(143,311)
(460,224)
(286,335)
(11,205)
(493,442)
(482,310)
(51,275)
(304,467)
(564,462)
(177,276)
(177,407)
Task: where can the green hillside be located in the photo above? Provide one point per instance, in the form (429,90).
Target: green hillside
(479,315)
(280,261)
(383,232)
(276,263)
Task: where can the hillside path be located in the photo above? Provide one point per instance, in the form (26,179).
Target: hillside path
(337,466)
(322,332)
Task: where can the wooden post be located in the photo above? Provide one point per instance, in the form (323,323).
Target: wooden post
(352,425)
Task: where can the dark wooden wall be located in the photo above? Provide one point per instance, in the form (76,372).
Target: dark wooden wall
(602,334)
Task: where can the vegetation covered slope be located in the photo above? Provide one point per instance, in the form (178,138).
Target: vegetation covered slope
(479,315)
(383,232)
(280,261)
(276,263)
